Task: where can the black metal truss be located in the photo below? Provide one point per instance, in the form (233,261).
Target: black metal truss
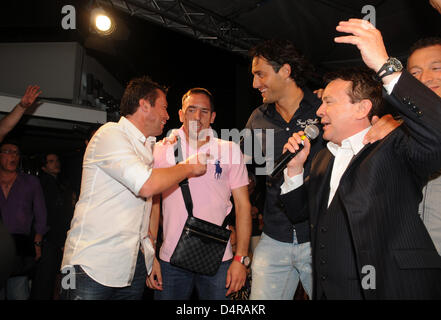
(188,18)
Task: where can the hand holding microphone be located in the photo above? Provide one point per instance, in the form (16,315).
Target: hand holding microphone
(295,152)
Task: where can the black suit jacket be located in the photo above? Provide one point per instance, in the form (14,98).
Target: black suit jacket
(379,193)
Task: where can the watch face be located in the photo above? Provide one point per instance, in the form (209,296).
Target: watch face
(395,64)
(246,261)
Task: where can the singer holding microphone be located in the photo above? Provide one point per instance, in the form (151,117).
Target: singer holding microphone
(367,239)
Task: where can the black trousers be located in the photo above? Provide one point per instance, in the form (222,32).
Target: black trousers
(48,267)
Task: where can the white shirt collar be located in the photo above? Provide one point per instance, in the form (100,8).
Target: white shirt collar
(354,143)
(135,132)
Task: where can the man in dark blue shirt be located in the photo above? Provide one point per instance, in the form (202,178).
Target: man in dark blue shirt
(283,255)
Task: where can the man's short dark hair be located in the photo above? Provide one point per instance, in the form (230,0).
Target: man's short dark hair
(139,88)
(280,52)
(424,43)
(43,158)
(10,141)
(363,87)
(200,91)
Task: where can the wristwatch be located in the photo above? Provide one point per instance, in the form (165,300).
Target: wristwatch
(392,65)
(243,259)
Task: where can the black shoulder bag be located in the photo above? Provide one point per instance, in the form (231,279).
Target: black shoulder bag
(202,244)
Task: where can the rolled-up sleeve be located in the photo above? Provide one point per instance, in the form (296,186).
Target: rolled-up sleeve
(117,156)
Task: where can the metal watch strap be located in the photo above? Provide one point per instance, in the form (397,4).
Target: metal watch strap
(390,66)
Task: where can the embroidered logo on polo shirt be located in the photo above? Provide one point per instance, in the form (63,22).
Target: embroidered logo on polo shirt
(303,124)
(218,172)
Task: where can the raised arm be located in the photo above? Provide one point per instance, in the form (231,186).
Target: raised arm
(419,106)
(9,122)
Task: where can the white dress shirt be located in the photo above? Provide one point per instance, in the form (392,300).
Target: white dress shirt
(343,155)
(110,218)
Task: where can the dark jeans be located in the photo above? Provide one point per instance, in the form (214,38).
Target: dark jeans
(89,289)
(178,283)
(43,284)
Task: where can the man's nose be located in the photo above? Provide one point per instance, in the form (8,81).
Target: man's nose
(256,83)
(426,76)
(320,111)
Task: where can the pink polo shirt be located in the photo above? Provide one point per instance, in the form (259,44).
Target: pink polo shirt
(210,193)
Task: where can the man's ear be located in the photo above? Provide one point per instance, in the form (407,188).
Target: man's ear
(285,71)
(364,108)
(213,115)
(144,105)
(181,115)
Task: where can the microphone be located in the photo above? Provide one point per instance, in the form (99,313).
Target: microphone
(311,132)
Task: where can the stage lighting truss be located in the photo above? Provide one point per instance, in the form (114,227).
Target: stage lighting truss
(186,17)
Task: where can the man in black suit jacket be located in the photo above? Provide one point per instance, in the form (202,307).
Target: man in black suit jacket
(368,241)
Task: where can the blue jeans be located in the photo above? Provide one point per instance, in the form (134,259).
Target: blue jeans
(178,283)
(277,268)
(88,289)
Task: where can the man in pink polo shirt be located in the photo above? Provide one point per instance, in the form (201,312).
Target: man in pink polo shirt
(226,174)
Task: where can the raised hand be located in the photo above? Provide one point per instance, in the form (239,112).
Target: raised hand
(32,92)
(367,39)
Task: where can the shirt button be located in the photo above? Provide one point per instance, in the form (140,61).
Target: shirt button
(322,261)
(322,246)
(323,278)
(324,229)
(287,128)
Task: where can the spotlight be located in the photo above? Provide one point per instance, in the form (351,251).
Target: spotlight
(102,22)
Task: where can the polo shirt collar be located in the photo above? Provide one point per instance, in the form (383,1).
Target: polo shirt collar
(183,137)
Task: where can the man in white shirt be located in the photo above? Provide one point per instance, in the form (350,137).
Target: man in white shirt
(102,257)
(367,239)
